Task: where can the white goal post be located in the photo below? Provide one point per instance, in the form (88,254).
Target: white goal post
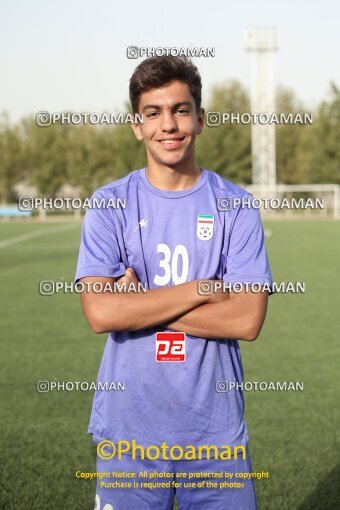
(298,200)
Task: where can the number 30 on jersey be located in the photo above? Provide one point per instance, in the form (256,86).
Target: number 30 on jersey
(172,266)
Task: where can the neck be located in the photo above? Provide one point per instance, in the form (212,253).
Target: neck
(172,179)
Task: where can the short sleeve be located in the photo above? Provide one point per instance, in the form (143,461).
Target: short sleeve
(99,253)
(246,258)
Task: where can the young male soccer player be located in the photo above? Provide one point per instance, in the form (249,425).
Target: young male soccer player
(170,235)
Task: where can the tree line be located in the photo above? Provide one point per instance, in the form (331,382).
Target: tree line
(88,156)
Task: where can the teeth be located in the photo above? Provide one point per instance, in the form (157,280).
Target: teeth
(169,141)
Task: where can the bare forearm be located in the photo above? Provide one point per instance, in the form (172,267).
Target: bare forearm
(133,311)
(233,318)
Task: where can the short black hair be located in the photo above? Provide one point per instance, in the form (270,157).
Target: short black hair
(156,72)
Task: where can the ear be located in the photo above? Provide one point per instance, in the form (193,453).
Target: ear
(137,129)
(200,116)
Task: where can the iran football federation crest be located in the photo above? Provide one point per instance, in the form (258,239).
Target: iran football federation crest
(205,227)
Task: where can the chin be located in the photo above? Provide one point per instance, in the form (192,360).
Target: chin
(173,160)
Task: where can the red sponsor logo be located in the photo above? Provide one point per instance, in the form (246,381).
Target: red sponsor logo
(170,346)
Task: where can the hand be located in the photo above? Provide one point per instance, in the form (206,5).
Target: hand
(218,294)
(128,280)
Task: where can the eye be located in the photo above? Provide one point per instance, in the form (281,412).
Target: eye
(152,115)
(183,111)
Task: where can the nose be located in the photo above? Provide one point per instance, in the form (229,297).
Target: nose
(168,122)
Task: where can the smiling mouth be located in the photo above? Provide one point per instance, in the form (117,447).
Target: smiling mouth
(171,143)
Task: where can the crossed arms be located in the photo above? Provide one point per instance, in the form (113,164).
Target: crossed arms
(178,308)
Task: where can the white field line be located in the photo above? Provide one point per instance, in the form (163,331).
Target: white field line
(36,233)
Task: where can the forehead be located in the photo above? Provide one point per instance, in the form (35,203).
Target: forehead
(168,95)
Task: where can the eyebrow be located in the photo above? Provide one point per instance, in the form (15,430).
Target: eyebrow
(157,107)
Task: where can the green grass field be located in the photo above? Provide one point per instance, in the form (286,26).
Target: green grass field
(293,435)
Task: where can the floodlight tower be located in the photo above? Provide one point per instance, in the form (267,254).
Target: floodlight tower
(262,43)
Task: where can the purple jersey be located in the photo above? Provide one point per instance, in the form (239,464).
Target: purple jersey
(168,238)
